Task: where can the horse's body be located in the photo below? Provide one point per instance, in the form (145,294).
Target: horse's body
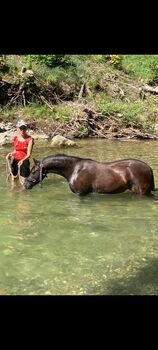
(86,175)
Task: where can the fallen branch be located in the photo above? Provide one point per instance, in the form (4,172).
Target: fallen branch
(149,88)
(81,91)
(84,90)
(57,129)
(122,82)
(46,102)
(13,99)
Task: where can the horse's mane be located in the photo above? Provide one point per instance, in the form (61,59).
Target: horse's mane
(64,156)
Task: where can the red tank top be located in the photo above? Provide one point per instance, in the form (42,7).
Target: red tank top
(20,147)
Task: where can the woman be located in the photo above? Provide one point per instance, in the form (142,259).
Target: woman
(23,145)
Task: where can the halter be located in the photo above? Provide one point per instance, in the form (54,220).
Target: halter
(40,175)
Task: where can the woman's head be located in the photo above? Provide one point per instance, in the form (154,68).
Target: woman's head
(21,125)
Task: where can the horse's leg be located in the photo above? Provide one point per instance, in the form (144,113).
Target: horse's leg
(138,185)
(136,188)
(81,185)
(79,191)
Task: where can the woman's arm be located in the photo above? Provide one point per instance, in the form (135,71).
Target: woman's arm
(10,154)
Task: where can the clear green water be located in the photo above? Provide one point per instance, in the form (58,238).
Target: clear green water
(52,242)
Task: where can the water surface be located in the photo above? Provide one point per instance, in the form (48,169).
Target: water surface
(52,242)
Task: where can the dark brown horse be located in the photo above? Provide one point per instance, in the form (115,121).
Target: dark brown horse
(86,175)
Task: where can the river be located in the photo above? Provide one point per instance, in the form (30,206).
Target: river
(52,242)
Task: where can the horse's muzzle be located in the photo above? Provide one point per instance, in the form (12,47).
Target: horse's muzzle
(27,185)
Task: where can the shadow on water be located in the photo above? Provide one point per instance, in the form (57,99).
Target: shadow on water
(142,281)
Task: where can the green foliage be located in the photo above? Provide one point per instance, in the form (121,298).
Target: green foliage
(65,111)
(56,75)
(148,125)
(26,82)
(62,112)
(15,63)
(116,61)
(154,68)
(141,66)
(64,75)
(51,60)
(128,111)
(39,112)
(73,69)
(82,131)
(29,62)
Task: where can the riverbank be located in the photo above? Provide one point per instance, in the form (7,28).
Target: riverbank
(87,124)
(96,96)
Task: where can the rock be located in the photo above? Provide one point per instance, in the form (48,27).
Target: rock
(4,140)
(59,140)
(6,137)
(38,135)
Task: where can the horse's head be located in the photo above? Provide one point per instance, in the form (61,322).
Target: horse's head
(36,175)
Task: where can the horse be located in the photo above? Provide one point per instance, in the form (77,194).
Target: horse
(85,175)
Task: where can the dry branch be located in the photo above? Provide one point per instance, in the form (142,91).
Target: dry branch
(81,92)
(149,88)
(46,102)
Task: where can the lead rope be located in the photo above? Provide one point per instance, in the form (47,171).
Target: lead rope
(40,176)
(9,172)
(21,180)
(8,169)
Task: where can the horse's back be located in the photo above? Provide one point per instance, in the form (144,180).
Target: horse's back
(119,175)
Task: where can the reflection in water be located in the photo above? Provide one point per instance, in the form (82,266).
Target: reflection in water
(54,242)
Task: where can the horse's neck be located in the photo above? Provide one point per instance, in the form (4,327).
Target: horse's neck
(60,166)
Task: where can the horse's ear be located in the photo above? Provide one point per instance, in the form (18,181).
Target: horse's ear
(35,161)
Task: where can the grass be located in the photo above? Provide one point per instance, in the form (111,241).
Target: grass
(141,66)
(62,112)
(107,105)
(92,69)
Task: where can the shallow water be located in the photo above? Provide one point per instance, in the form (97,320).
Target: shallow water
(52,242)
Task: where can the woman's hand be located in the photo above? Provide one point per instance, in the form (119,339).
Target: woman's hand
(20,162)
(9,155)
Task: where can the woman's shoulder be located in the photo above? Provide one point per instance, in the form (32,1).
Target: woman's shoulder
(29,137)
(15,137)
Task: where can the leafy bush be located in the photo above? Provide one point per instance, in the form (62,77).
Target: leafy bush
(116,61)
(82,131)
(51,60)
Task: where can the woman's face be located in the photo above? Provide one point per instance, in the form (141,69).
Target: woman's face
(22,130)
